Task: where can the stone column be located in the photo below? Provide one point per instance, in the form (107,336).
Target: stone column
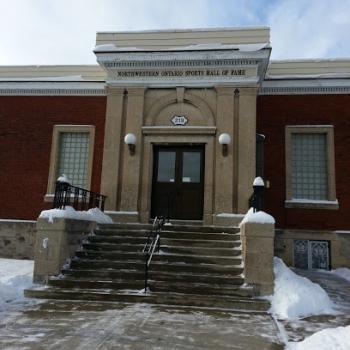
(258,252)
(224,191)
(246,135)
(132,165)
(55,243)
(112,144)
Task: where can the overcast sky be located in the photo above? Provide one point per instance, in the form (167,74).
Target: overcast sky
(64,31)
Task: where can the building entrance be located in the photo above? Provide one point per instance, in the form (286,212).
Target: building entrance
(178,182)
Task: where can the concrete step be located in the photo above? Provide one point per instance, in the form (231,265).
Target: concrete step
(169,234)
(232,269)
(235,250)
(127,240)
(183,228)
(163,257)
(180,299)
(93,283)
(199,288)
(211,278)
(154,284)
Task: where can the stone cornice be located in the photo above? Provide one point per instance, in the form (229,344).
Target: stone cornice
(305,87)
(52,89)
(205,68)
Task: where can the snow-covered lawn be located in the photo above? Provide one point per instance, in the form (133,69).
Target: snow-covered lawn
(295,296)
(15,276)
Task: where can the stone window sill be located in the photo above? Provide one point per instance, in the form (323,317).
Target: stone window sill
(48,198)
(311,204)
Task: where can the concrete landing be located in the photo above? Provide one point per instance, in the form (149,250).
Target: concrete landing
(66,325)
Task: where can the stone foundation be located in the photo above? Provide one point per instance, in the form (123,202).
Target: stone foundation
(339,245)
(17,239)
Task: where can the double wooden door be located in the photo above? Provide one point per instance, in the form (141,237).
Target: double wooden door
(178,182)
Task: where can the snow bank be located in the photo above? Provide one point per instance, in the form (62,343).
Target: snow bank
(94,214)
(15,276)
(296,296)
(327,339)
(342,272)
(259,217)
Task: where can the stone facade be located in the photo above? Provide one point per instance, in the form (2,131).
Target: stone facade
(17,239)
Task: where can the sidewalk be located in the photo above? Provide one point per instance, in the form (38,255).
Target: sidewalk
(70,325)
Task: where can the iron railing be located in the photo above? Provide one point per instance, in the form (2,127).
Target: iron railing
(256,200)
(76,197)
(152,243)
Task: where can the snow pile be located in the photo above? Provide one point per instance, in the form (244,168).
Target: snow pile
(94,214)
(258,181)
(259,217)
(15,276)
(342,272)
(99,216)
(327,339)
(296,296)
(64,178)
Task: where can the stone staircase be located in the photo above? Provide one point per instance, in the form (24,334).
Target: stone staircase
(196,266)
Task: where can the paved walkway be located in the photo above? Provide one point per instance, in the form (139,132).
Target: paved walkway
(70,325)
(338,290)
(63,325)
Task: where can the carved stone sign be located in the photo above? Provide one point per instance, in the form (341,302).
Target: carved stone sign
(179,120)
(179,73)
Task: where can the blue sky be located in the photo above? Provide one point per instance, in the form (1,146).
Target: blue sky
(63,31)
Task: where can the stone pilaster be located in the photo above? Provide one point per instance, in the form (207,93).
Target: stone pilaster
(224,191)
(112,144)
(132,165)
(246,135)
(258,252)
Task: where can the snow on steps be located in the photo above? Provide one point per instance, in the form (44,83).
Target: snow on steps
(197,266)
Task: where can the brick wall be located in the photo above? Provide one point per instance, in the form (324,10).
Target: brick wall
(273,114)
(26,126)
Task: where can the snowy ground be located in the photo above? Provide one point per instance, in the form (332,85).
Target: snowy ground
(15,276)
(305,316)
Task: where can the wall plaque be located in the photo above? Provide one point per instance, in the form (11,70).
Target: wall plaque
(179,120)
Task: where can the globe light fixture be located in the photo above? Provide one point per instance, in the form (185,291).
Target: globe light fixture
(130,140)
(224,140)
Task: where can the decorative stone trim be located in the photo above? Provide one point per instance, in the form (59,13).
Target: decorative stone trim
(110,64)
(52,92)
(181,130)
(305,86)
(304,90)
(52,88)
(184,68)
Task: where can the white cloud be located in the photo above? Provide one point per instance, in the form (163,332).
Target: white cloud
(309,28)
(63,31)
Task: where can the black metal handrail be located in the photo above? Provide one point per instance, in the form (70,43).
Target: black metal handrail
(256,200)
(77,197)
(153,242)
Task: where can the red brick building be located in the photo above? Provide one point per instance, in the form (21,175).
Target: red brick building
(215,82)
